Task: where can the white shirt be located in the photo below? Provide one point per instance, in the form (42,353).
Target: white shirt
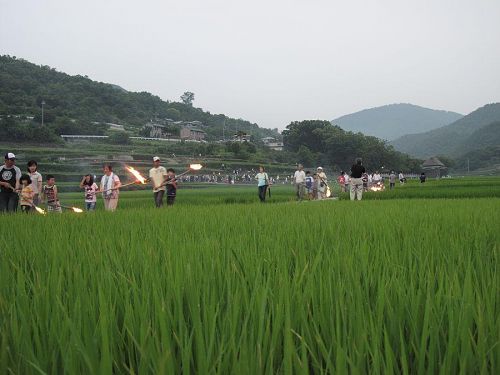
(36,178)
(347,178)
(158,177)
(299,177)
(377,177)
(401,176)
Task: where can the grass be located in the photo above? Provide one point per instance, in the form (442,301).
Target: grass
(379,286)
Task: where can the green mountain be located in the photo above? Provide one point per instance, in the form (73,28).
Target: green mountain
(395,120)
(472,132)
(76,103)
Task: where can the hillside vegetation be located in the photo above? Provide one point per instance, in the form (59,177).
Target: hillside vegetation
(472,132)
(74,103)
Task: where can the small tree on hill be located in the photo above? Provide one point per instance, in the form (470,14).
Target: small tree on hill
(187,98)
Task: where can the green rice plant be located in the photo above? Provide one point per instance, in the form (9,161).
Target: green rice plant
(380,286)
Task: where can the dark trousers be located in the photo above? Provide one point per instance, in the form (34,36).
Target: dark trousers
(26,209)
(262,193)
(8,202)
(391,185)
(159,198)
(170,200)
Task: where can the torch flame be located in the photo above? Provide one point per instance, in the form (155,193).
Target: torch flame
(77,210)
(137,175)
(195,167)
(41,211)
(328,192)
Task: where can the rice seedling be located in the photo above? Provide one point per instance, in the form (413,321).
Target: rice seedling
(382,286)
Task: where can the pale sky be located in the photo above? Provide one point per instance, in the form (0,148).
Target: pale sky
(271,61)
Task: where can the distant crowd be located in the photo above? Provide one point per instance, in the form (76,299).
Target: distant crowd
(27,191)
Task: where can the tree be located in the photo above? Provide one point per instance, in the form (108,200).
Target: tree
(187,98)
(119,138)
(173,114)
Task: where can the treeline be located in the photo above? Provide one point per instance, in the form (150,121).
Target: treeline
(78,98)
(316,142)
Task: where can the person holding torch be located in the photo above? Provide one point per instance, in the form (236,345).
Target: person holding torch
(110,187)
(157,176)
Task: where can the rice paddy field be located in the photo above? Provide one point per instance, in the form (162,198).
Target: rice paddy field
(404,282)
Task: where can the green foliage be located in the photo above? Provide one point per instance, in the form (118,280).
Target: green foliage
(119,138)
(317,141)
(24,86)
(453,140)
(187,98)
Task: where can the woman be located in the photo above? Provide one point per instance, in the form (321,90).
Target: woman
(110,185)
(263,183)
(87,183)
(323,183)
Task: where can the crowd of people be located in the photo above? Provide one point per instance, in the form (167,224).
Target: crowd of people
(27,190)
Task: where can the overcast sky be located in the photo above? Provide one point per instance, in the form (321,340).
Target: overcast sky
(271,61)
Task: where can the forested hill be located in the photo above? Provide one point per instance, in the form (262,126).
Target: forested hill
(395,120)
(81,101)
(472,132)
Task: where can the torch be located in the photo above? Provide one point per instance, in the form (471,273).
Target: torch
(74,209)
(192,167)
(40,210)
(139,179)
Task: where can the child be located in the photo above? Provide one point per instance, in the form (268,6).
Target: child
(49,194)
(27,193)
(171,183)
(90,188)
(36,181)
(309,185)
(315,186)
(341,181)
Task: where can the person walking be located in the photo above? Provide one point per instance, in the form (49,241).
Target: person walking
(90,188)
(357,171)
(262,183)
(341,181)
(299,180)
(422,177)
(323,183)
(392,180)
(10,176)
(402,178)
(36,180)
(110,188)
(157,174)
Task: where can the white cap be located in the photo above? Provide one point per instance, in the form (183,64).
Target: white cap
(156,158)
(10,155)
(320,168)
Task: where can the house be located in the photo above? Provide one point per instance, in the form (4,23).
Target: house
(273,143)
(433,167)
(188,133)
(157,130)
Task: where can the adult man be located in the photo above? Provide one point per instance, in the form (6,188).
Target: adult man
(376,177)
(357,171)
(392,180)
(299,180)
(9,183)
(157,174)
(322,182)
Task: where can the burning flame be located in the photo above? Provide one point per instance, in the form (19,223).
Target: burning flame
(77,210)
(377,187)
(195,167)
(41,211)
(328,192)
(137,175)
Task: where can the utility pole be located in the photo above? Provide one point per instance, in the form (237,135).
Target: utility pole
(43,103)
(468,166)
